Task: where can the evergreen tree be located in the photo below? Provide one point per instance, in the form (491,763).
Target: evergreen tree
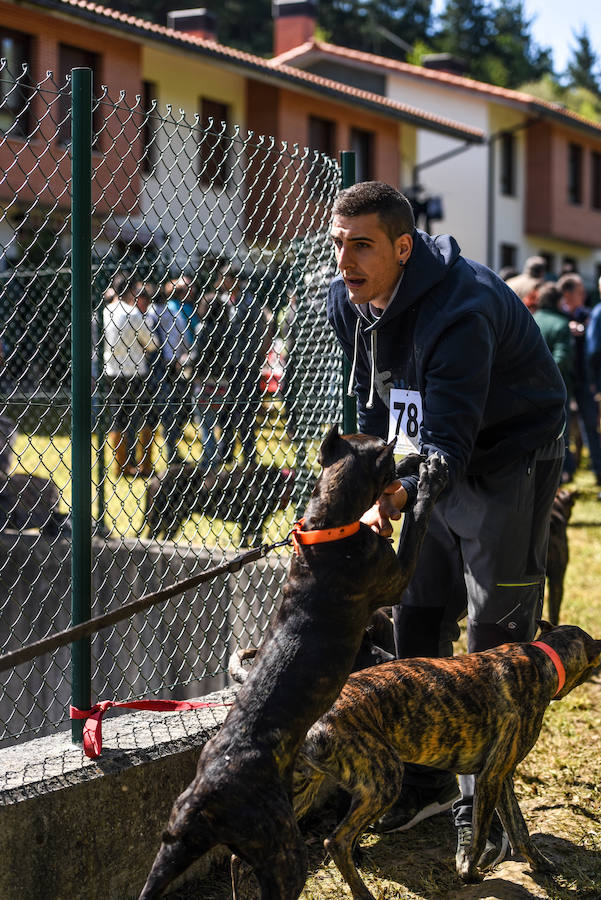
(494,40)
(386,27)
(464,30)
(515,58)
(583,66)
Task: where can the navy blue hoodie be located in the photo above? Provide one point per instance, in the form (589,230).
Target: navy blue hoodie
(455,332)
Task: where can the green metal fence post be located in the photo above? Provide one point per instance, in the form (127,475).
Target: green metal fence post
(349,404)
(81,384)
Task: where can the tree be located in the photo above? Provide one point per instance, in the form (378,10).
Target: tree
(244,24)
(494,40)
(464,30)
(376,26)
(583,66)
(386,27)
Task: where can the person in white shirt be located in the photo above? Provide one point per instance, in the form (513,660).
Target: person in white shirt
(127,343)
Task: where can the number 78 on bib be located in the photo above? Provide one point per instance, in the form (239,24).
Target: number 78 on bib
(405,420)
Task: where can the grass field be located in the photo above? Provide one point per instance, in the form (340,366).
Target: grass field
(50,457)
(558,786)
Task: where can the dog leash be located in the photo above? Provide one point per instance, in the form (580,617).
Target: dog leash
(90,626)
(92,730)
(556,660)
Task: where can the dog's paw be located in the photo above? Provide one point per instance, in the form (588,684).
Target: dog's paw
(410,464)
(433,476)
(470,875)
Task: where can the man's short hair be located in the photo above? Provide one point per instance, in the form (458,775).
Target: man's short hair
(535,266)
(392,208)
(549,296)
(568,282)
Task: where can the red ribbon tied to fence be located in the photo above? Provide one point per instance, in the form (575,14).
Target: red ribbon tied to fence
(92,730)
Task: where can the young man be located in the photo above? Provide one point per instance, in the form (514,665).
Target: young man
(445,353)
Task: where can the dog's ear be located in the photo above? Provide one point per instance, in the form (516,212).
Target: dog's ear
(409,465)
(544,626)
(329,450)
(596,652)
(385,455)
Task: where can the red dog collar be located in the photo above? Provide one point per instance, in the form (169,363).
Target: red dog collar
(554,657)
(320,535)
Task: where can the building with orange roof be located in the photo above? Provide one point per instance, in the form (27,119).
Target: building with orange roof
(533,187)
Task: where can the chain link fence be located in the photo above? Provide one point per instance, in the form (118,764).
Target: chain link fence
(214,374)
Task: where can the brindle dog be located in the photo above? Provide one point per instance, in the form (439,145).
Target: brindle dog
(479,713)
(241,795)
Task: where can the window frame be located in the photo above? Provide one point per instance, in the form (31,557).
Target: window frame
(212,171)
(575,173)
(15,101)
(508,164)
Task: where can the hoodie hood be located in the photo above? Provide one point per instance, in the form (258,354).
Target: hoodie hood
(429,263)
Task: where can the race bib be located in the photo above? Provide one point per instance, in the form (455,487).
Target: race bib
(405,420)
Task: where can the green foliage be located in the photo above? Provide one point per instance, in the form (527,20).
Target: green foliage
(416,55)
(583,66)
(577,99)
(494,40)
(369,24)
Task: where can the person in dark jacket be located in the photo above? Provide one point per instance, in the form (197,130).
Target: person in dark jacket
(573,304)
(448,359)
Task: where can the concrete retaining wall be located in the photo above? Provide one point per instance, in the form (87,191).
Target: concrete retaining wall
(75,828)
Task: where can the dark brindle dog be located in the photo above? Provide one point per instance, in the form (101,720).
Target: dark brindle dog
(558,554)
(241,795)
(480,713)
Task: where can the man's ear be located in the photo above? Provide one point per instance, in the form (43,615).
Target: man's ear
(403,247)
(328,450)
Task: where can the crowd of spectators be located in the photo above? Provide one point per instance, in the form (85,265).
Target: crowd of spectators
(571,325)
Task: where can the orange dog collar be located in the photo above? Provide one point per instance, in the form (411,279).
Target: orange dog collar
(555,659)
(320,535)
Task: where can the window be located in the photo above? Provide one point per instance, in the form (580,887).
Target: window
(150,149)
(214,150)
(15,48)
(596,180)
(322,137)
(508,166)
(362,142)
(574,173)
(508,255)
(73,58)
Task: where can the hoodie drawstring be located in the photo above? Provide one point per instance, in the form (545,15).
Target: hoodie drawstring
(372,376)
(349,390)
(372,381)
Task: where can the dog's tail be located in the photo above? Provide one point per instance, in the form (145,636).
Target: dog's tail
(235,668)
